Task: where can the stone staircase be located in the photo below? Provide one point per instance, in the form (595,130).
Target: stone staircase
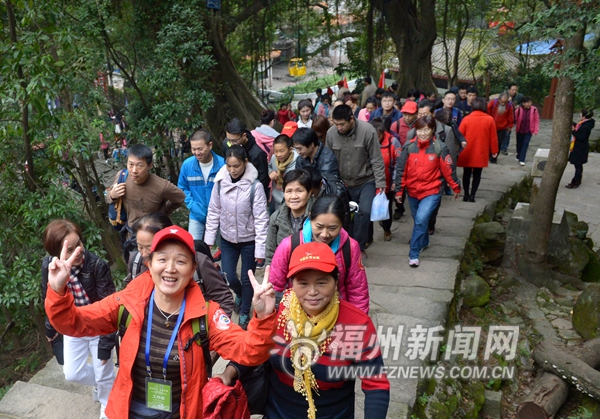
(48,396)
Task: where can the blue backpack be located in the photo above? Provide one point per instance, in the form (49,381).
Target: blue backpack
(117,215)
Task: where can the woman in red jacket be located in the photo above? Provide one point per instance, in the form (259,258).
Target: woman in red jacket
(421,168)
(479,129)
(162,368)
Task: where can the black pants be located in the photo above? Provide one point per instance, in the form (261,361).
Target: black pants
(578,173)
(387,224)
(467,180)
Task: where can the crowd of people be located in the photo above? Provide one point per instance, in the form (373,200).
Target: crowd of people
(296,203)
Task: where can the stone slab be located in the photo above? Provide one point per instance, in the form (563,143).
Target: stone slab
(433,273)
(52,376)
(32,401)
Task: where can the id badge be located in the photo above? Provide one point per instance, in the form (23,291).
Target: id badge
(159,394)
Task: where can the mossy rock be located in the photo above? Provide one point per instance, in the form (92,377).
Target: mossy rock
(586,313)
(572,218)
(577,260)
(580,229)
(438,410)
(475,291)
(489,234)
(473,398)
(591,272)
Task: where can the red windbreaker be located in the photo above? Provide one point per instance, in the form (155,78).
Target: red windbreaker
(420,169)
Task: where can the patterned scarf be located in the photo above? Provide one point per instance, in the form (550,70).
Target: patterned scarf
(572,144)
(298,328)
(81,297)
(281,166)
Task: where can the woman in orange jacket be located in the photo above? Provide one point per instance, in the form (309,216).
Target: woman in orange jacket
(162,368)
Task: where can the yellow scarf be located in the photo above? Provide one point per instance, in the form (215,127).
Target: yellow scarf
(572,144)
(309,338)
(281,166)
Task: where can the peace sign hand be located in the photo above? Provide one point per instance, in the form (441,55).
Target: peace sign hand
(264,295)
(59,270)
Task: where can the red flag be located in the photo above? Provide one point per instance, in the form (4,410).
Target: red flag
(345,82)
(382,80)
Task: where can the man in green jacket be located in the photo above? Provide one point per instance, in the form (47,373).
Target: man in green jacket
(356,146)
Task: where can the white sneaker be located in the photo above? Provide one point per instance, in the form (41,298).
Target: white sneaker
(413,263)
(102,409)
(95,394)
(522,163)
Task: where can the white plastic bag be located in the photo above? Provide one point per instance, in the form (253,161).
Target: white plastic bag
(380,211)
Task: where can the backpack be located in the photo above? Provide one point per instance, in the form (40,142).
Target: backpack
(333,185)
(252,188)
(116,212)
(199,328)
(346,251)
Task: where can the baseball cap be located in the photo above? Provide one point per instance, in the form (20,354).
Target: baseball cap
(289,128)
(409,107)
(316,256)
(174,233)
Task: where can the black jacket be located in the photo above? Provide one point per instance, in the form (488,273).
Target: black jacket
(325,162)
(579,155)
(96,280)
(257,157)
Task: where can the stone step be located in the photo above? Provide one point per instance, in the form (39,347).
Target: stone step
(33,401)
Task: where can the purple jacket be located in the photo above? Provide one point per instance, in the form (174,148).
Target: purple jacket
(353,289)
(230,210)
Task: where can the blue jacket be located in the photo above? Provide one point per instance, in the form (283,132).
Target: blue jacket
(197,189)
(378,113)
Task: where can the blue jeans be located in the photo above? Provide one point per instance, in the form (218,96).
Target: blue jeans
(196,229)
(363,195)
(522,145)
(421,210)
(503,139)
(230,253)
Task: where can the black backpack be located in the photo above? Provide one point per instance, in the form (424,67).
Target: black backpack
(346,251)
(333,185)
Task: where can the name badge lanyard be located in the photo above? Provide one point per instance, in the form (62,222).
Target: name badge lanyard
(171,342)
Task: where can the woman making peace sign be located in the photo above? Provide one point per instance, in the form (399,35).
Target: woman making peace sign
(162,370)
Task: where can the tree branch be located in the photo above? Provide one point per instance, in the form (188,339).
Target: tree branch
(332,40)
(246,14)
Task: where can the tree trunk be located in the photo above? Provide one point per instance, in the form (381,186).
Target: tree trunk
(576,367)
(413,33)
(543,211)
(546,397)
(533,264)
(233,97)
(370,38)
(15,338)
(23,103)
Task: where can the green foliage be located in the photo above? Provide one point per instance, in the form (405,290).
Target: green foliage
(4,390)
(311,85)
(582,413)
(563,20)
(534,82)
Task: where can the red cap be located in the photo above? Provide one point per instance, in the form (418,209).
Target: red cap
(289,128)
(409,107)
(316,256)
(174,233)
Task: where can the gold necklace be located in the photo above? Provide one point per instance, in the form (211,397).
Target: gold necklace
(167,322)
